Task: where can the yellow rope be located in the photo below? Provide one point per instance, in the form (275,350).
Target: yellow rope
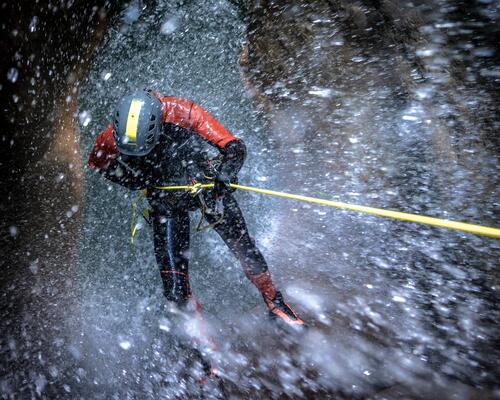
(420,219)
(134,225)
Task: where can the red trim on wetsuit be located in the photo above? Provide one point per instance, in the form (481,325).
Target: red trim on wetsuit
(191,116)
(171,271)
(104,150)
(265,284)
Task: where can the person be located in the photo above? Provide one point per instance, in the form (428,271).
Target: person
(157,141)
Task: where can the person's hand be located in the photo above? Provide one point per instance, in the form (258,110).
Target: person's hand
(222,184)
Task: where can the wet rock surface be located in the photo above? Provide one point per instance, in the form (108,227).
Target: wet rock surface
(388,104)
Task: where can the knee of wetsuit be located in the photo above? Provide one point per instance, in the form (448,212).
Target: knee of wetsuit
(253,269)
(176,286)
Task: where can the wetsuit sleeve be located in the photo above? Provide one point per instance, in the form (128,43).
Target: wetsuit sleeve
(189,115)
(104,150)
(106,159)
(234,155)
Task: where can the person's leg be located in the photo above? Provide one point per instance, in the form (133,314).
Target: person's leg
(171,243)
(233,230)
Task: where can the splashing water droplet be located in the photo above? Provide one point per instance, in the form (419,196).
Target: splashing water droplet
(12,75)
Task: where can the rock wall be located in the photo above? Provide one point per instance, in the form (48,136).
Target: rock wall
(46,49)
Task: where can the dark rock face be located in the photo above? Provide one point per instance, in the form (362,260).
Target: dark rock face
(46,47)
(324,41)
(375,96)
(347,46)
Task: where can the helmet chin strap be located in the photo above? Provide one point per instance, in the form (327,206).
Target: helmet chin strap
(124,164)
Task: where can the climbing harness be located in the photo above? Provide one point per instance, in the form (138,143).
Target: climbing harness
(205,210)
(195,190)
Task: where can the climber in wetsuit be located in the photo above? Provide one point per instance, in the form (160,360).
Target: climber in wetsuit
(158,141)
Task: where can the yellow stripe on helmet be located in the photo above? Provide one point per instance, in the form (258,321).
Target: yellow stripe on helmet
(133,120)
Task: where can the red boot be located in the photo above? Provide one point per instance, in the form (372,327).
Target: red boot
(278,309)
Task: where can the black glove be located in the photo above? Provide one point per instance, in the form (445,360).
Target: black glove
(222,184)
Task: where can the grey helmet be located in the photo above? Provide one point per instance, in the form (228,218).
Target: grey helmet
(137,123)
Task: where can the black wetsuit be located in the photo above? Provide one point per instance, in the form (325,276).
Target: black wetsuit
(180,158)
